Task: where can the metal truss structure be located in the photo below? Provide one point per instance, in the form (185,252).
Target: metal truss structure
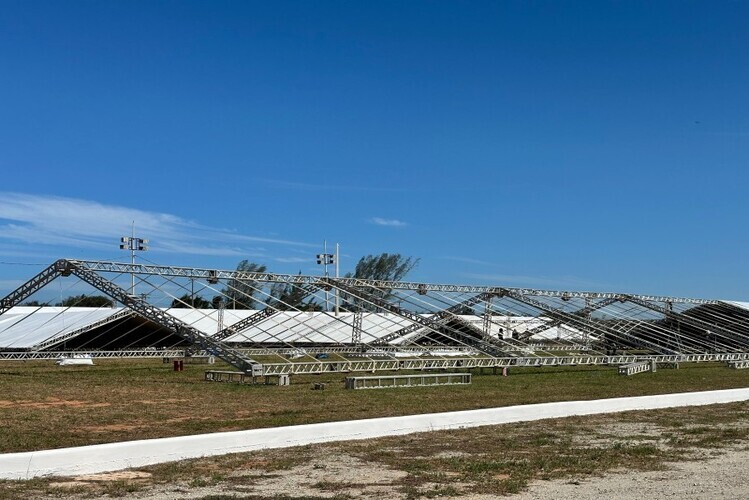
(56,340)
(384,325)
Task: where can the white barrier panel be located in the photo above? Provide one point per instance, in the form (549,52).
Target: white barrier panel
(118,456)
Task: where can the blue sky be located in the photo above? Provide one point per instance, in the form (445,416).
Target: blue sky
(564,145)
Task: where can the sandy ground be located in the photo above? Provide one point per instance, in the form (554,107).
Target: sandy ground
(720,475)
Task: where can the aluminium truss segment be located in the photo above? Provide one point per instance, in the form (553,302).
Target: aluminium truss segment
(436,320)
(162,318)
(584,312)
(214,274)
(595,327)
(248,322)
(373,365)
(415,363)
(468,332)
(683,318)
(356,329)
(59,339)
(438,324)
(136,304)
(358,284)
(120,353)
(259,316)
(484,345)
(32,286)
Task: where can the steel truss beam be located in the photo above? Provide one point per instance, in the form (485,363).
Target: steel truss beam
(214,274)
(259,316)
(356,329)
(435,320)
(555,322)
(243,324)
(359,293)
(691,321)
(469,336)
(579,322)
(125,353)
(32,286)
(59,339)
(161,318)
(416,363)
(483,362)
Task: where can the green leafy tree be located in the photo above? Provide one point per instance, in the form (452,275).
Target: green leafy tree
(186,301)
(291,297)
(240,292)
(383,267)
(84,300)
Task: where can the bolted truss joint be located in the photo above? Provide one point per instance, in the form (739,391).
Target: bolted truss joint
(64,267)
(212,276)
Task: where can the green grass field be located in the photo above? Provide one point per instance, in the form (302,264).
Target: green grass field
(44,406)
(489,460)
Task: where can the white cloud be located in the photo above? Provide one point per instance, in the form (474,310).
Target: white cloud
(294,260)
(388,222)
(75,223)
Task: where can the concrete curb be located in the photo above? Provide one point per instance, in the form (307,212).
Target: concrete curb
(118,456)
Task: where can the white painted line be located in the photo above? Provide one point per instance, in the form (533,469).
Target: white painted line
(118,456)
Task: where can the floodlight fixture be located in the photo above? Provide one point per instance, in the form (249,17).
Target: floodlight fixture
(326,259)
(133,244)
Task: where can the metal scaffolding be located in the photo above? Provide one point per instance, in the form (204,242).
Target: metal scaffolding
(380,325)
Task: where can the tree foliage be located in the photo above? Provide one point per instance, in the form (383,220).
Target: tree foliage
(34,303)
(240,293)
(291,297)
(383,267)
(84,300)
(186,301)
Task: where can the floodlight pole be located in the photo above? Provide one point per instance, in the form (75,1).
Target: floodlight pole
(325,266)
(326,258)
(132,260)
(132,243)
(337,268)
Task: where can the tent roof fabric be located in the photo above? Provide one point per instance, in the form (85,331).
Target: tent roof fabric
(23,327)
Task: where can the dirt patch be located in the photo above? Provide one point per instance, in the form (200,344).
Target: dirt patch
(127,475)
(50,403)
(331,475)
(720,477)
(89,482)
(161,401)
(67,485)
(621,431)
(452,454)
